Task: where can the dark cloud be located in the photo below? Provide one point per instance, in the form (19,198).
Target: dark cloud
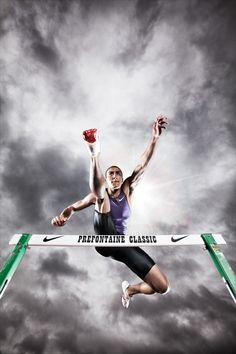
(211,31)
(4,126)
(43,49)
(29,310)
(92,8)
(33,343)
(183,267)
(218,28)
(147,14)
(30,175)
(55,312)
(183,317)
(45,54)
(57,264)
(9,321)
(26,14)
(231,127)
(230,211)
(145,17)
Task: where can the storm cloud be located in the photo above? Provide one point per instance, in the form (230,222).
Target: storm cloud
(67,66)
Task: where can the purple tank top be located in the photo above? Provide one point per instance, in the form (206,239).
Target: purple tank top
(120,212)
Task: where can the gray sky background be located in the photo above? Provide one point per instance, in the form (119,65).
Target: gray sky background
(67,66)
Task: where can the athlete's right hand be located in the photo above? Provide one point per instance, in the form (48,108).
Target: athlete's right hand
(62,219)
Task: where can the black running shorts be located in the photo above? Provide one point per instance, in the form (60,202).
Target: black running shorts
(134,257)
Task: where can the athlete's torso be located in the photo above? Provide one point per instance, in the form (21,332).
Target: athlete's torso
(120,212)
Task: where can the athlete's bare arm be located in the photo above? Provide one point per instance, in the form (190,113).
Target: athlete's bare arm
(66,214)
(131,182)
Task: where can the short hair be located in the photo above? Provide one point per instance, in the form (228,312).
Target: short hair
(113,166)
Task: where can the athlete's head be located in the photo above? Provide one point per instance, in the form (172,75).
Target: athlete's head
(114,177)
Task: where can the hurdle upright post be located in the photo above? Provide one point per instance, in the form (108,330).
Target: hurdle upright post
(13,262)
(221,264)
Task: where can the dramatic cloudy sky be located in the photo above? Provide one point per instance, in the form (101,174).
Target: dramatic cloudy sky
(71,65)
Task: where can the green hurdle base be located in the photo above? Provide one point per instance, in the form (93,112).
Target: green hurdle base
(221,264)
(13,262)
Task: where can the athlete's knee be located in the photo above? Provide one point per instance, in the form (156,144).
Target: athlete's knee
(165,289)
(161,286)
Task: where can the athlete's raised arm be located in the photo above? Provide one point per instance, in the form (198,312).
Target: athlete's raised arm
(66,214)
(131,182)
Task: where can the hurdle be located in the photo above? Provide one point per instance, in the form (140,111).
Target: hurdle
(210,241)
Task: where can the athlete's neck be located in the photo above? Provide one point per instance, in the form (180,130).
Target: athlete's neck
(114,192)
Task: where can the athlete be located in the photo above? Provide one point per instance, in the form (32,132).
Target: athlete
(112,197)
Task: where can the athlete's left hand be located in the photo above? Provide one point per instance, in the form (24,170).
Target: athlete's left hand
(158,125)
(62,219)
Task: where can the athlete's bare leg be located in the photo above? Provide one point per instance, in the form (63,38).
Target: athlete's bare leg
(154,282)
(97,181)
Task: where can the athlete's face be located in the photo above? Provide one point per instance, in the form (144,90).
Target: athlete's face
(114,178)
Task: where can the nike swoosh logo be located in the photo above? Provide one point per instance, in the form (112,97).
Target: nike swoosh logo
(46,239)
(173,239)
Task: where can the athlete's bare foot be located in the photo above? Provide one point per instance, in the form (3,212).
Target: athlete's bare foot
(91,139)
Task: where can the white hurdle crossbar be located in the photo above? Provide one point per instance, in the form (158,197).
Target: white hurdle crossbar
(115,240)
(211,241)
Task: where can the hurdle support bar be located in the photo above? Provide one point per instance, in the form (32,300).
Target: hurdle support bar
(221,264)
(13,262)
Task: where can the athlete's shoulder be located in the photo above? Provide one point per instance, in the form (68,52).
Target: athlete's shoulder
(128,191)
(127,186)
